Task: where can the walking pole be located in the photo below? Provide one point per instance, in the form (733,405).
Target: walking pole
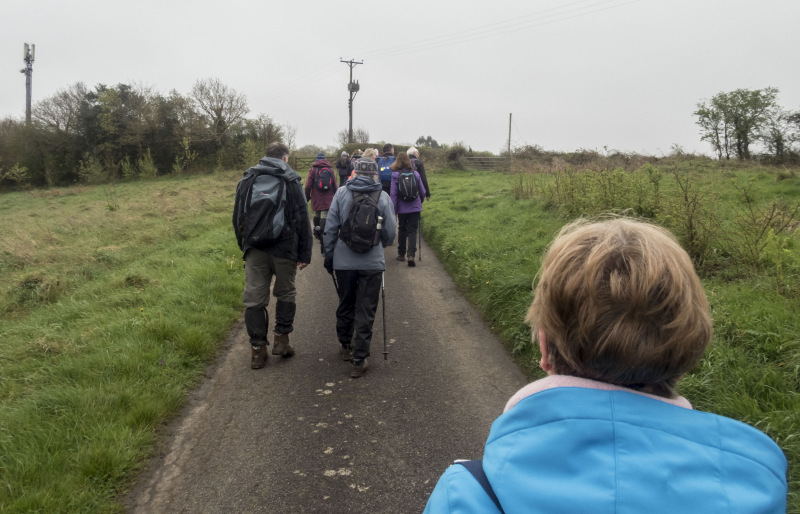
(383,301)
(420,236)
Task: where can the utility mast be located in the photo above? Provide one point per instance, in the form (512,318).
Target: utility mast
(353,88)
(29,54)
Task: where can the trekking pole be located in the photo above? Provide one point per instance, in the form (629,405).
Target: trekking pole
(383,302)
(420,236)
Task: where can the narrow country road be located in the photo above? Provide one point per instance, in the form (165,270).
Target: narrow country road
(301,436)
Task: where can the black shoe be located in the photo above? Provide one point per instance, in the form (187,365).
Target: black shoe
(411,263)
(357,369)
(401,258)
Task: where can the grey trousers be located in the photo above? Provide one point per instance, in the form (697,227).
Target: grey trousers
(260,268)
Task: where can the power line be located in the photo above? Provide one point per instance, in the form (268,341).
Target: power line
(499,28)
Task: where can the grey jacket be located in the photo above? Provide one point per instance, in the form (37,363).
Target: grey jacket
(343,257)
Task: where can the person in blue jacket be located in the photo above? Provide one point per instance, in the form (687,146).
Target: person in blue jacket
(620,317)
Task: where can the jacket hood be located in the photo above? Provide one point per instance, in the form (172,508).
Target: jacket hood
(273,166)
(322,163)
(361,183)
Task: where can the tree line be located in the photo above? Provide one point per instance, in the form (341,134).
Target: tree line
(94,135)
(82,135)
(732,122)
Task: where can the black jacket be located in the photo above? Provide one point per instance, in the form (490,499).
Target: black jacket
(420,167)
(344,166)
(297,245)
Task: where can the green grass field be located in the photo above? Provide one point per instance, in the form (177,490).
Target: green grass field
(113,299)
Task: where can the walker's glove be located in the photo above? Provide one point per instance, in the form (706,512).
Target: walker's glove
(329,263)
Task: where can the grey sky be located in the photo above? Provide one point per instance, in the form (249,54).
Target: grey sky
(621,74)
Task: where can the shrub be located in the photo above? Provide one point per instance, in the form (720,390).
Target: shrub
(147,168)
(90,170)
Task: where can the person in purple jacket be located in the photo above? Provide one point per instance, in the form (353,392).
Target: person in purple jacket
(408,210)
(320,198)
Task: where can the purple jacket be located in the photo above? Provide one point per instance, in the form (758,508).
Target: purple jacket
(320,200)
(403,206)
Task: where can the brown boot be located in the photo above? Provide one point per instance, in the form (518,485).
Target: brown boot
(282,346)
(258,356)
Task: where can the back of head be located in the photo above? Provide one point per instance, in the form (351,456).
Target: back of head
(402,162)
(619,302)
(413,152)
(388,148)
(277,151)
(370,153)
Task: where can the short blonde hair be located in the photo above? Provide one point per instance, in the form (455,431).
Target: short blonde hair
(619,301)
(370,153)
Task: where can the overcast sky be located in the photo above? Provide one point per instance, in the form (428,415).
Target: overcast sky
(618,74)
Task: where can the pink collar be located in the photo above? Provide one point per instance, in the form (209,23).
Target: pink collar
(554,381)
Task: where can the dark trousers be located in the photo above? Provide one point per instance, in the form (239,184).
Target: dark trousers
(359,292)
(407,225)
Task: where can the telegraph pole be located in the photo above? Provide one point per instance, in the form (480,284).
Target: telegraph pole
(29,53)
(509,141)
(353,88)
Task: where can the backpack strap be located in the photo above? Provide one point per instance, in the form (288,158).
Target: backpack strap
(476,468)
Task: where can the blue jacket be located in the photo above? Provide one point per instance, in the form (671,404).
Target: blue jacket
(343,257)
(574,449)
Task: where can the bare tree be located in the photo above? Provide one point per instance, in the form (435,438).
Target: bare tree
(60,111)
(290,135)
(343,137)
(361,136)
(222,106)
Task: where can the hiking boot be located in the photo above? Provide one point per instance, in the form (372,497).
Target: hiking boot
(401,258)
(411,263)
(282,346)
(358,368)
(345,351)
(258,356)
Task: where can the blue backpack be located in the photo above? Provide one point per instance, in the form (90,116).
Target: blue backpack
(384,171)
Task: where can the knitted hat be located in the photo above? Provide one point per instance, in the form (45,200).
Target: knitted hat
(344,154)
(366,167)
(320,156)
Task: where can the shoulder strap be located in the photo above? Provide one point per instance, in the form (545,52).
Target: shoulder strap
(476,468)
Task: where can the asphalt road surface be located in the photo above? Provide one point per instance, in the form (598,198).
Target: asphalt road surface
(301,436)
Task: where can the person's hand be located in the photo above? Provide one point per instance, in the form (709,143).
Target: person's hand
(329,264)
(301,266)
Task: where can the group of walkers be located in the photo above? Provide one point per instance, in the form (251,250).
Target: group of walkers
(354,219)
(619,316)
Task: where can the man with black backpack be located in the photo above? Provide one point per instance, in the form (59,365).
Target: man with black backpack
(361,223)
(270,220)
(320,188)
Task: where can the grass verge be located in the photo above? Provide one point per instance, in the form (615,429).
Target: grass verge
(114,299)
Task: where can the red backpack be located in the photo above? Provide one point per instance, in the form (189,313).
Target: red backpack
(324,179)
